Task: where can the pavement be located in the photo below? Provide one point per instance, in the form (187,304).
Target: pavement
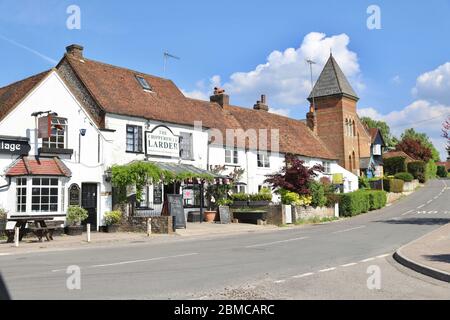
(429,255)
(349,259)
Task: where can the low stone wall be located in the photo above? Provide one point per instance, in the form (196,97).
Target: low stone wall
(159,225)
(162,225)
(392,197)
(134,224)
(305,213)
(275,215)
(410,186)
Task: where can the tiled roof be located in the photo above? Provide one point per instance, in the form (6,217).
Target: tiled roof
(38,167)
(295,136)
(393,154)
(13,93)
(332,81)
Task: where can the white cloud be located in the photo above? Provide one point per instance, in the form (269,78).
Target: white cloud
(285,76)
(396,79)
(434,85)
(422,115)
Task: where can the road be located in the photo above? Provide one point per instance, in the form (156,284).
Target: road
(318,262)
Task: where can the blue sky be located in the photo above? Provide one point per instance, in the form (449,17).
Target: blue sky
(226,42)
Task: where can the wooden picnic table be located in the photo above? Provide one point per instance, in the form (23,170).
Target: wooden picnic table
(37,225)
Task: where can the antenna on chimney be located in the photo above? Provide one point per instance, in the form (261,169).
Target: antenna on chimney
(310,62)
(168,56)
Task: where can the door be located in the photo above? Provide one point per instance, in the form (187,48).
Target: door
(89,202)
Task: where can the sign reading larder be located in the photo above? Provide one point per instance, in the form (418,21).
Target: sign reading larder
(162,142)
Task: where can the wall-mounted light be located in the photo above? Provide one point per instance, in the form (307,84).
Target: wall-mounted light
(83,132)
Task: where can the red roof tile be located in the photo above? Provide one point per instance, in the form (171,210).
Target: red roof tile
(38,167)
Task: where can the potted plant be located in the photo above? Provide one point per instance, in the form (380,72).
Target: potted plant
(75,215)
(112,221)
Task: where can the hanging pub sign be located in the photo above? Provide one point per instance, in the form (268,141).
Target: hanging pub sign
(44,127)
(14,146)
(74,195)
(162,142)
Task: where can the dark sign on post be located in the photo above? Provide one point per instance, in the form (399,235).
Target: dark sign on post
(74,195)
(176,210)
(14,146)
(224,213)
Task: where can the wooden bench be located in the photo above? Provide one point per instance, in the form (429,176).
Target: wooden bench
(45,229)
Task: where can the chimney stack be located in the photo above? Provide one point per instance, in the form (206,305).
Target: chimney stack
(311,120)
(261,105)
(220,97)
(75,51)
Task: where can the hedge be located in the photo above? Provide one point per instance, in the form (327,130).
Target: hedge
(394,165)
(361,201)
(431,170)
(441,172)
(405,176)
(393,185)
(418,170)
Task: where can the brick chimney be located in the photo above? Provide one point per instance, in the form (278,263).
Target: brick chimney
(75,51)
(261,105)
(220,97)
(311,119)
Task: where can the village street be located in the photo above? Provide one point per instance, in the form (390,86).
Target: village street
(320,261)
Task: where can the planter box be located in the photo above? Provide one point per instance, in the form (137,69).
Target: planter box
(261,203)
(112,228)
(74,230)
(249,216)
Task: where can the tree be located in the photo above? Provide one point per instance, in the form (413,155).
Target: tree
(294,176)
(383,127)
(415,149)
(446,130)
(424,139)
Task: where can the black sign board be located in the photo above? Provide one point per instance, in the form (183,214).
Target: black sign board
(225,216)
(176,210)
(74,195)
(13,146)
(157,194)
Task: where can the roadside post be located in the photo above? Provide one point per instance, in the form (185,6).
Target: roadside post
(88,229)
(149,227)
(16,237)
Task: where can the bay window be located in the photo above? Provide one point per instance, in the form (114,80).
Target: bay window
(38,195)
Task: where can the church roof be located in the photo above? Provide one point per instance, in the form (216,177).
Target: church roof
(332,81)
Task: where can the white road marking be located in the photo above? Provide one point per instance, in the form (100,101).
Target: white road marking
(275,242)
(436,197)
(407,212)
(429,201)
(143,260)
(349,265)
(303,275)
(347,230)
(420,207)
(383,256)
(280,281)
(367,260)
(327,270)
(5,254)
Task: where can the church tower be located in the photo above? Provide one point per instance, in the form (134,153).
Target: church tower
(334,119)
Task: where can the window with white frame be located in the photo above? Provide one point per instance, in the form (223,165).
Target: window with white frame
(21,195)
(134,139)
(326,167)
(263,159)
(231,156)
(377,150)
(44,194)
(58,135)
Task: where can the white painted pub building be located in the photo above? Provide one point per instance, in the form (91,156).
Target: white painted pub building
(63,129)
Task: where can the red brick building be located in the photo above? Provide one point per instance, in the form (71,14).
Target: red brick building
(334,119)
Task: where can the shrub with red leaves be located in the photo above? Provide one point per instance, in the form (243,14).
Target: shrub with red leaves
(415,149)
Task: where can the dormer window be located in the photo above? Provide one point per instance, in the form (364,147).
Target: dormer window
(144,84)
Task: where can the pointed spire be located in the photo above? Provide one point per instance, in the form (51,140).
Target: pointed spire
(332,81)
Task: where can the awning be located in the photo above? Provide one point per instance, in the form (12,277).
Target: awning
(38,166)
(182,168)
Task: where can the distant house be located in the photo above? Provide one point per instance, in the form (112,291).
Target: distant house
(394,154)
(373,166)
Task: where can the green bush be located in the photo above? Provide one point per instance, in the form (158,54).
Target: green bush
(113,217)
(364,183)
(405,176)
(224,202)
(418,170)
(393,185)
(354,203)
(239,197)
(394,165)
(3,214)
(318,194)
(377,199)
(76,215)
(431,170)
(441,172)
(292,198)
